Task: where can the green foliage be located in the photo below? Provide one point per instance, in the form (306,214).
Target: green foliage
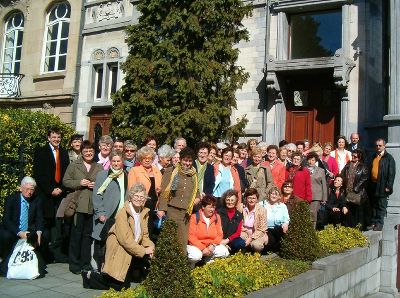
(237,275)
(21,131)
(301,241)
(294,267)
(337,239)
(169,274)
(181,71)
(138,292)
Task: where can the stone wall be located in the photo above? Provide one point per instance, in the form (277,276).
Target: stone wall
(353,273)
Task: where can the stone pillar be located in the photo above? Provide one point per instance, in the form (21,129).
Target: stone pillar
(389,243)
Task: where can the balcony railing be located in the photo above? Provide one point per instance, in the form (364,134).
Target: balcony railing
(10,84)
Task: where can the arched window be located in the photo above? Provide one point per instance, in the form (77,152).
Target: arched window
(14,31)
(57,31)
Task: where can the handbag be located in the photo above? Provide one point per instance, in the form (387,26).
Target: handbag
(23,263)
(69,204)
(353,197)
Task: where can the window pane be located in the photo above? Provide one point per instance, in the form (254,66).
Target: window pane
(315,34)
(63,46)
(10,40)
(20,35)
(18,20)
(8,55)
(99,79)
(7,67)
(51,48)
(18,53)
(52,32)
(64,29)
(114,77)
(62,61)
(52,16)
(50,63)
(16,67)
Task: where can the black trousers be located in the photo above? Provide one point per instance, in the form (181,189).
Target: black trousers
(137,272)
(99,252)
(80,241)
(274,239)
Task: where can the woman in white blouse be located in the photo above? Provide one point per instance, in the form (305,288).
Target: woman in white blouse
(340,154)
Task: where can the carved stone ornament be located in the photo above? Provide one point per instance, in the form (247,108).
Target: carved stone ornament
(342,69)
(271,78)
(10,85)
(47,106)
(113,53)
(5,3)
(98,55)
(108,11)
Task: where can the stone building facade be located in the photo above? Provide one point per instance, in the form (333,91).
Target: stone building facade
(39,53)
(104,49)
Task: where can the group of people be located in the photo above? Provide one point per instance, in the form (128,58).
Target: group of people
(225,198)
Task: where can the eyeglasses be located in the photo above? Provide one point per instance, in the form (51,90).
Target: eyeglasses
(137,197)
(378,145)
(286,186)
(130,150)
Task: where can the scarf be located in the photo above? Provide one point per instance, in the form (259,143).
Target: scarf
(201,170)
(108,180)
(292,172)
(173,185)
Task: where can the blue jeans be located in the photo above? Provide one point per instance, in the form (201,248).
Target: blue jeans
(237,244)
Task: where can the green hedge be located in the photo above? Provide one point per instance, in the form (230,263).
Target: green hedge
(21,131)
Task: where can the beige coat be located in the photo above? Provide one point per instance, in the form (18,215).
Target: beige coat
(260,221)
(121,244)
(261,179)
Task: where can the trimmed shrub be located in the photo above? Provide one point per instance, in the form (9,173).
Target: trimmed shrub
(138,292)
(337,239)
(237,275)
(301,241)
(21,131)
(169,274)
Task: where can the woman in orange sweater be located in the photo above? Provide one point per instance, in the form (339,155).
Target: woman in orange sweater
(205,233)
(150,176)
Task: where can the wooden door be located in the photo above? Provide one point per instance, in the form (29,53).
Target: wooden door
(312,109)
(100,120)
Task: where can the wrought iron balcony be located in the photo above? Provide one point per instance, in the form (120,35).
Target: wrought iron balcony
(10,84)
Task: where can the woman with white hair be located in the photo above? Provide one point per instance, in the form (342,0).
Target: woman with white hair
(106,144)
(150,176)
(165,154)
(127,244)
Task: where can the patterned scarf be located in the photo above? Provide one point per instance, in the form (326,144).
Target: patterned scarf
(201,170)
(173,185)
(108,180)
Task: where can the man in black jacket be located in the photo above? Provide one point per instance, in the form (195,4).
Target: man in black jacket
(355,144)
(49,165)
(383,171)
(23,215)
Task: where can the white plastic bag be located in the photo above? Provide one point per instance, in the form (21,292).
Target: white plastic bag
(23,263)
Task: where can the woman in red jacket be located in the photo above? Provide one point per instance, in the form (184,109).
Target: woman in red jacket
(300,177)
(205,233)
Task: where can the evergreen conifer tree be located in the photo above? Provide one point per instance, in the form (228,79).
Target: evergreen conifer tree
(181,73)
(301,241)
(169,274)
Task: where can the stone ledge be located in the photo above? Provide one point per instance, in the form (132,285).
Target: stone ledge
(345,274)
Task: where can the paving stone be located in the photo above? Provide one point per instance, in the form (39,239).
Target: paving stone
(72,289)
(49,282)
(20,290)
(46,294)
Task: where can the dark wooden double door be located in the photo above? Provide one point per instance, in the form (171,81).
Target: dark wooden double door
(312,108)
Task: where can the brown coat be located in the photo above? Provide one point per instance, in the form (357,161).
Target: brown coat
(75,172)
(260,221)
(121,244)
(181,197)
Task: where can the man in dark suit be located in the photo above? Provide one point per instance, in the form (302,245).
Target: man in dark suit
(49,165)
(23,215)
(355,144)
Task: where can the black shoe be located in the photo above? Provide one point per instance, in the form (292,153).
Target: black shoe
(378,227)
(371,227)
(85,280)
(76,272)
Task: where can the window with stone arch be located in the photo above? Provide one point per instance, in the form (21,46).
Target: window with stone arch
(56,38)
(13,35)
